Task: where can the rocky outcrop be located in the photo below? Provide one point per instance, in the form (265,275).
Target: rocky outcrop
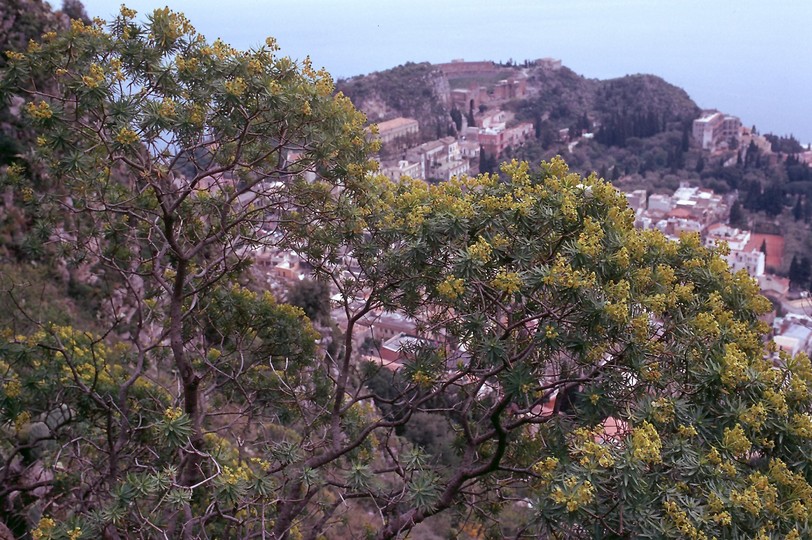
(418,91)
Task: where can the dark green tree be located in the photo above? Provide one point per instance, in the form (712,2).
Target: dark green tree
(798,209)
(800,272)
(700,164)
(312,296)
(456,117)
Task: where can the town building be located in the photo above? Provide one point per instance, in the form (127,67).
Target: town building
(773,286)
(496,119)
(469,149)
(394,171)
(793,333)
(716,131)
(736,239)
(551,64)
(659,203)
(689,209)
(702,205)
(460,68)
(751,261)
(494,136)
(510,88)
(392,353)
(397,128)
(439,160)
(637,201)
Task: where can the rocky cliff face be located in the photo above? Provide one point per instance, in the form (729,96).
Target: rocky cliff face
(418,91)
(22,20)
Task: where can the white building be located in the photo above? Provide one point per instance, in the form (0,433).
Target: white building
(793,333)
(736,239)
(715,130)
(397,127)
(752,261)
(658,202)
(403,168)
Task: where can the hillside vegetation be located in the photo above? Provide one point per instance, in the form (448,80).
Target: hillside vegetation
(412,90)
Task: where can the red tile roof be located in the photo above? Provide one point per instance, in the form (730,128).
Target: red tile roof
(775,248)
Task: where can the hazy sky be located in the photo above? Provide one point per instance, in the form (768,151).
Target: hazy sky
(746,57)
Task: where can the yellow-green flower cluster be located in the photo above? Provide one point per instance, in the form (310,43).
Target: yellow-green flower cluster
(590,453)
(127,13)
(617,312)
(78,28)
(736,442)
(657,303)
(759,494)
(801,425)
(167,108)
(14,55)
(754,416)
(21,421)
(422,378)
(734,366)
(621,258)
(777,401)
(126,136)
(563,275)
(451,287)
(507,282)
(94,78)
(590,238)
(40,111)
(683,522)
(705,324)
(662,410)
(639,327)
(550,332)
(186,65)
(12,388)
(646,444)
(796,484)
(722,518)
(44,529)
(234,475)
(798,389)
(480,250)
(545,468)
(574,494)
(324,84)
(197,115)
(172,413)
(236,87)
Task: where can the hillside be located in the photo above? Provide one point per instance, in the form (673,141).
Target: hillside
(644,95)
(417,91)
(560,97)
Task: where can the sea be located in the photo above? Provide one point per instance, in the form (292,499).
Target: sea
(750,58)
